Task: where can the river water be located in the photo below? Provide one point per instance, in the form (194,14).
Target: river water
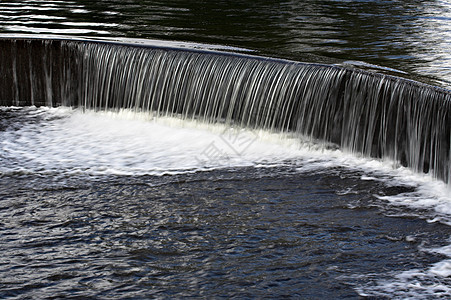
(125,205)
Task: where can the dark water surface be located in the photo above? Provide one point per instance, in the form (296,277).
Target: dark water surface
(243,233)
(73,224)
(92,208)
(233,233)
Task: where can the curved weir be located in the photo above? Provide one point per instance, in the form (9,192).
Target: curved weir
(363,112)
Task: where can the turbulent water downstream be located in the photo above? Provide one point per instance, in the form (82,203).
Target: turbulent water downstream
(122,205)
(136,168)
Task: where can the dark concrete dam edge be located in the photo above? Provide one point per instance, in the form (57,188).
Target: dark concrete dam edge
(364,112)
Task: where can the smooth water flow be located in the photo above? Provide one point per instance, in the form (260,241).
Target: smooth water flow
(180,149)
(363,112)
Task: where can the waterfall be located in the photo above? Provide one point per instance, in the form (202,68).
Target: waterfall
(368,113)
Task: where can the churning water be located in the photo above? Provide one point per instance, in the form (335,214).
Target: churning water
(168,170)
(122,204)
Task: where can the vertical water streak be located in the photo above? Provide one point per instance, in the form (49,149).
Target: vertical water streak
(31,74)
(14,73)
(366,113)
(48,80)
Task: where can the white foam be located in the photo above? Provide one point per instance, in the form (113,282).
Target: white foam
(442,268)
(432,283)
(131,144)
(138,143)
(72,142)
(412,284)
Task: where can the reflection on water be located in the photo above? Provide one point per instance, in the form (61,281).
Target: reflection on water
(435,50)
(410,36)
(56,17)
(301,229)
